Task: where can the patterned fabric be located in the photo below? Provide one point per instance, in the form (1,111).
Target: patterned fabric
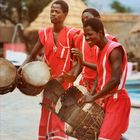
(89,55)
(117,105)
(104,69)
(59,60)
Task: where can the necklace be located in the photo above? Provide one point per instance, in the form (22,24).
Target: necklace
(54,48)
(55,41)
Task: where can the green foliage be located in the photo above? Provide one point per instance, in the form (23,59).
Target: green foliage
(118,7)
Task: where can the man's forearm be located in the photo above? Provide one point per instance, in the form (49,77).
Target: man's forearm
(90,65)
(109,87)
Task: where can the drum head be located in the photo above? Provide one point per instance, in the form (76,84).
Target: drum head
(7,73)
(36,73)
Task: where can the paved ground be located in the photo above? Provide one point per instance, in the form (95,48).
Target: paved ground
(19,118)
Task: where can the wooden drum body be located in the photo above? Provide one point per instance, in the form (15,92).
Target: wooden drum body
(53,91)
(85,122)
(33,78)
(7,76)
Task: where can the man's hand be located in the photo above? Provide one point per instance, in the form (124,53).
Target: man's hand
(60,79)
(68,77)
(19,75)
(19,70)
(77,53)
(86,99)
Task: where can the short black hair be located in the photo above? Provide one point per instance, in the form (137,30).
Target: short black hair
(64,5)
(92,11)
(95,24)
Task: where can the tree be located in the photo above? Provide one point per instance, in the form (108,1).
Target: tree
(118,7)
(34,7)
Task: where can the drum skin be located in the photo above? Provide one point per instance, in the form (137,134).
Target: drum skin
(33,78)
(7,76)
(85,121)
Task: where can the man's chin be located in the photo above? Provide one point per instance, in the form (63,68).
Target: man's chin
(53,21)
(91,45)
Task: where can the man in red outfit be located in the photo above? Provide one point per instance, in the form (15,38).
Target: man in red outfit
(110,92)
(88,55)
(57,42)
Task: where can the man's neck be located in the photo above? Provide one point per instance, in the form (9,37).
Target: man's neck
(103,43)
(58,27)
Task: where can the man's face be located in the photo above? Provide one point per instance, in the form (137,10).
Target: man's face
(91,36)
(86,16)
(56,14)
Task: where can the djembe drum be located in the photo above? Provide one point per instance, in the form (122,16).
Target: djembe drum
(7,76)
(53,91)
(84,121)
(33,78)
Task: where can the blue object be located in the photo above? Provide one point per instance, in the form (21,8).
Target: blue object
(133,89)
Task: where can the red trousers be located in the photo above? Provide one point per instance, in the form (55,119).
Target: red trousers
(50,127)
(116,117)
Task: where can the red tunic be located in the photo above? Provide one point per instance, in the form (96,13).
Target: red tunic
(59,60)
(89,55)
(117,106)
(111,37)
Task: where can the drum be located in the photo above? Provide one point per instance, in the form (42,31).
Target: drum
(84,121)
(53,91)
(33,78)
(7,76)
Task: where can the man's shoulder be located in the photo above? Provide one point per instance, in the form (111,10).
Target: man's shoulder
(115,45)
(45,29)
(111,37)
(72,30)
